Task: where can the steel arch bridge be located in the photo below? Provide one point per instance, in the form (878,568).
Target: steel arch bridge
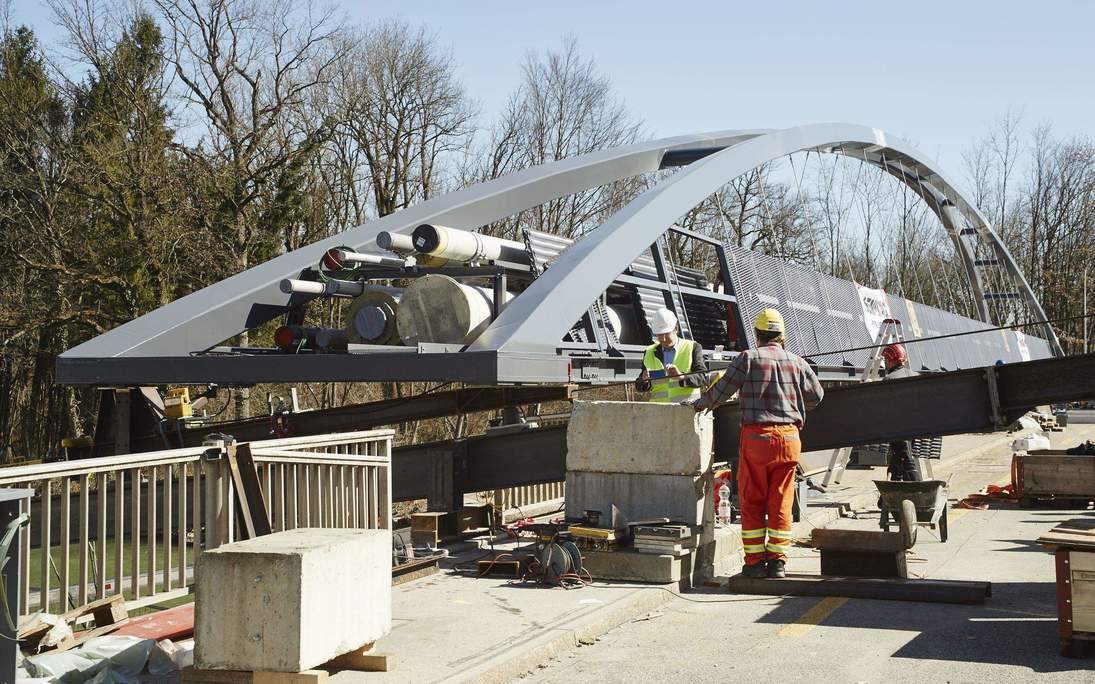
(177,343)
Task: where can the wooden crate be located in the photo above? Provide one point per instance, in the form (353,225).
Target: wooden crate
(1052,472)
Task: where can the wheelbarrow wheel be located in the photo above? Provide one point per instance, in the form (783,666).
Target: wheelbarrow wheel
(943,525)
(907,523)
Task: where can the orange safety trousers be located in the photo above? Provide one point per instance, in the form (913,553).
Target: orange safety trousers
(766,489)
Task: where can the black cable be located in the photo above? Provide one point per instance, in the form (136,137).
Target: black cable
(872,346)
(959,334)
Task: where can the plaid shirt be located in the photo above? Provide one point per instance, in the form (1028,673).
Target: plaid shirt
(776,387)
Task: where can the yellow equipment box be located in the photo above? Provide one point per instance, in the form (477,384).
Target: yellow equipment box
(177,403)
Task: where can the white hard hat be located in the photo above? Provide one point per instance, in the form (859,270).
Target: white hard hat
(665,321)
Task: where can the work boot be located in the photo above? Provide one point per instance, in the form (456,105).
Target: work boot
(777,569)
(755,571)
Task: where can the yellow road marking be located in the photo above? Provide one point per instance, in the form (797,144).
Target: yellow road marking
(953,514)
(813,617)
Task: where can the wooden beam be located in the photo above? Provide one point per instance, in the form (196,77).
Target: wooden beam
(856,540)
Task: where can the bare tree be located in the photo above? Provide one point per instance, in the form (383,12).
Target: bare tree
(563,108)
(242,65)
(401,111)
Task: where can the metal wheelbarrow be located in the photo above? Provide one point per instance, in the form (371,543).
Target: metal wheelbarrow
(928,498)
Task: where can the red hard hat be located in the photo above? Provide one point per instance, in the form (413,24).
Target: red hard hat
(894,356)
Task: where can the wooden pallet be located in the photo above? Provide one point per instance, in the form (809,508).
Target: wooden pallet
(108,614)
(364,659)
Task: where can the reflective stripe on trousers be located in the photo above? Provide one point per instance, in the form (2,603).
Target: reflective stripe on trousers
(766,476)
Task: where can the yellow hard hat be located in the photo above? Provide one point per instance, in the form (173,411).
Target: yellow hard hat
(769,320)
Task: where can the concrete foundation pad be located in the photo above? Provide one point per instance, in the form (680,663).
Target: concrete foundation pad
(291,601)
(719,556)
(628,565)
(643,438)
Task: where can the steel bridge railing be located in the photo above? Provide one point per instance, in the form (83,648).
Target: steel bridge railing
(135,524)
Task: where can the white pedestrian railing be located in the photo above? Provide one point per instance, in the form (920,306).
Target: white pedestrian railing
(521,502)
(135,524)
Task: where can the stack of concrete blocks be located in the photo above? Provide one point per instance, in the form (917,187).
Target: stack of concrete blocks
(292,601)
(642,461)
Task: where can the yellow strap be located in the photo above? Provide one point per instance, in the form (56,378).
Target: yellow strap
(753,533)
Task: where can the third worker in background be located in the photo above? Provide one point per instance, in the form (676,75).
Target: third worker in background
(673,368)
(776,389)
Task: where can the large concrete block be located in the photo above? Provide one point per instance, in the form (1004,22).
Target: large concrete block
(681,498)
(293,600)
(634,437)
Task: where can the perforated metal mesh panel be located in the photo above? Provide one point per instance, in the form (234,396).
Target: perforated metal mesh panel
(824,314)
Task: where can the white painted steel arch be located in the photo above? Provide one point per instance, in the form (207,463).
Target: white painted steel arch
(543,313)
(216,313)
(538,318)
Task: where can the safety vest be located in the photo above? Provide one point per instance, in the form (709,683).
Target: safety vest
(667,390)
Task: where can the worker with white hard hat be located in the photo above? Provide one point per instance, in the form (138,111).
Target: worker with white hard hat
(673,367)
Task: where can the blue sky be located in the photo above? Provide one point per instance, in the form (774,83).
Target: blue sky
(935,73)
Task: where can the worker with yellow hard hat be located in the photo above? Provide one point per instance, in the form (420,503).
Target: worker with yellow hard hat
(776,389)
(673,367)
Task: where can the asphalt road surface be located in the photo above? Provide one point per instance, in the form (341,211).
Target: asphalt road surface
(717,637)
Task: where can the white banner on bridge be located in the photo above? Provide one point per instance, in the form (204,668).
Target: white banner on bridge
(876,308)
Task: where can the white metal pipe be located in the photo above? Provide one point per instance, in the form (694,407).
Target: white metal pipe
(400,243)
(330,288)
(344,255)
(395,242)
(465,246)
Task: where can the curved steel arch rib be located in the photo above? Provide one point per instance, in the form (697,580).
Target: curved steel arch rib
(216,313)
(541,315)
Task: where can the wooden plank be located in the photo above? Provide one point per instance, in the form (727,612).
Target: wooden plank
(193,676)
(856,540)
(920,590)
(90,634)
(249,491)
(306,677)
(364,661)
(108,611)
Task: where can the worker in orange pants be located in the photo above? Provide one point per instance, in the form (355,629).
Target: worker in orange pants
(766,480)
(775,388)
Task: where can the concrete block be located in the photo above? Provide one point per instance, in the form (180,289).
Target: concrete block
(634,437)
(681,498)
(627,565)
(291,601)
